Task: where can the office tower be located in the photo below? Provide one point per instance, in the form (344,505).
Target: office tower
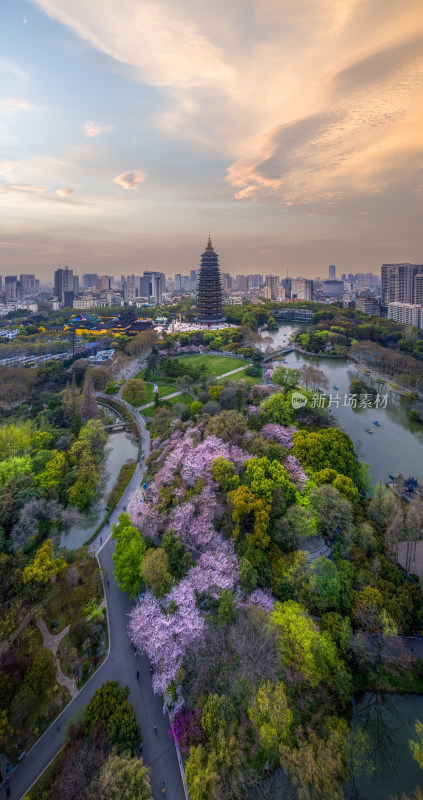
(332,272)
(242,283)
(28,284)
(209,287)
(271,282)
(178,282)
(128,292)
(398,282)
(286,284)
(104,283)
(255,281)
(418,289)
(75,286)
(194,278)
(157,288)
(68,298)
(333,288)
(63,282)
(89,280)
(226,282)
(302,289)
(11,287)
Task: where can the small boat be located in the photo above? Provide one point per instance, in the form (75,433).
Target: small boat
(375,422)
(368,430)
(336,388)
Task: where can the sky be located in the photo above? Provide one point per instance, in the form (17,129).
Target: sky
(292,129)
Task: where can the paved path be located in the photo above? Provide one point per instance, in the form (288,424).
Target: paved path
(52,643)
(120,665)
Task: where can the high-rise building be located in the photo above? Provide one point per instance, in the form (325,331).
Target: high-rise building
(406,313)
(89,280)
(128,292)
(76,284)
(272,282)
(104,283)
(242,283)
(398,282)
(255,281)
(28,284)
(63,282)
(332,272)
(418,290)
(194,277)
(226,282)
(209,287)
(302,289)
(11,287)
(178,282)
(157,288)
(286,284)
(333,288)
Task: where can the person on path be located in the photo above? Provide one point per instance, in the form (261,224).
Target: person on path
(138,674)
(155,729)
(101,540)
(163,787)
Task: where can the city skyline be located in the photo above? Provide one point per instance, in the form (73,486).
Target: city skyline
(129,129)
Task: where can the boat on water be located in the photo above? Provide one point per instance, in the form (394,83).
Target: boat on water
(368,430)
(375,422)
(336,388)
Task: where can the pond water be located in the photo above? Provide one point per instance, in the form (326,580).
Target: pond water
(389,719)
(396,445)
(120,447)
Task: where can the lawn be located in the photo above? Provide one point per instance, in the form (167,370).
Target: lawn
(241,376)
(216,365)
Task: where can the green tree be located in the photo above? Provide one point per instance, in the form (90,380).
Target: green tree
(155,571)
(217,712)
(110,706)
(223,472)
(180,560)
(195,408)
(124,778)
(44,567)
(88,406)
(298,638)
(228,426)
(134,392)
(344,485)
(53,471)
(248,576)
(333,511)
(41,440)
(227,611)
(277,408)
(329,448)
(316,766)
(263,476)
(271,716)
(214,392)
(286,377)
(128,556)
(15,440)
(327,584)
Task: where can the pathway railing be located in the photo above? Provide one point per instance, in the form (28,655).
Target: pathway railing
(181,767)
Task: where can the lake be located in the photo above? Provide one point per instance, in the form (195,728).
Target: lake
(396,446)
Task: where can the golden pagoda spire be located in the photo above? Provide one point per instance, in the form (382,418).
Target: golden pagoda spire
(209,243)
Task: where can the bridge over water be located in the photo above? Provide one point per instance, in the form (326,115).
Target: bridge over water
(281,351)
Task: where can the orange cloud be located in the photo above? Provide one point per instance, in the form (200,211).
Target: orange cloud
(130,180)
(64,192)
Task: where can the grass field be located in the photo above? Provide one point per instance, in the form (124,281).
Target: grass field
(216,365)
(164,389)
(240,376)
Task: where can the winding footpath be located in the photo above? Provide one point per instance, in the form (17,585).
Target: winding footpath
(120,665)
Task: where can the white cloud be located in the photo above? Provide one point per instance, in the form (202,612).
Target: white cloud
(130,180)
(30,188)
(20,102)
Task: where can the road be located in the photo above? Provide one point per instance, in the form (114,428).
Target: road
(120,665)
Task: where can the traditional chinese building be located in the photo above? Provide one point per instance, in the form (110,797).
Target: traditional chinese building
(209,287)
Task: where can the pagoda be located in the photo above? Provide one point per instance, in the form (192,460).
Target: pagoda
(209,287)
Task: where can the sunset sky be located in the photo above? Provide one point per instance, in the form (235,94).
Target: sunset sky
(291,128)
